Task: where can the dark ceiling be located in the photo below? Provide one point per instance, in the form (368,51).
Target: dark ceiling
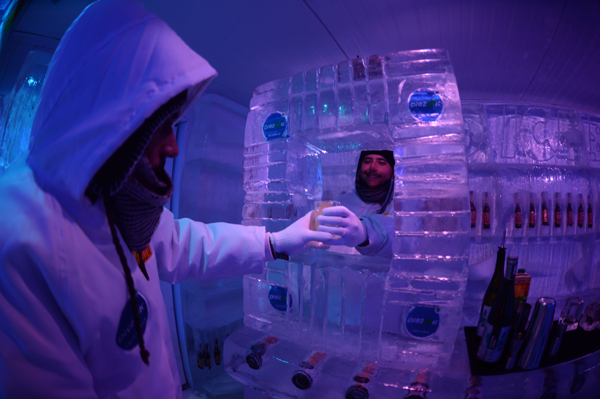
(543,51)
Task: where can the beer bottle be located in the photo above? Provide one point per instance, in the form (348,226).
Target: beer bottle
(200,358)
(217,353)
(518,215)
(569,211)
(473,212)
(590,219)
(257,350)
(545,221)
(557,215)
(486,213)
(419,388)
(531,212)
(303,379)
(207,361)
(580,212)
(364,375)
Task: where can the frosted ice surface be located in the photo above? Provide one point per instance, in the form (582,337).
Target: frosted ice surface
(329,115)
(406,312)
(19,107)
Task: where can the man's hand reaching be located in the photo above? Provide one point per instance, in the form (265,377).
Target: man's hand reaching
(340,221)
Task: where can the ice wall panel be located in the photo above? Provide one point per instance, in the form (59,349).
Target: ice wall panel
(407,102)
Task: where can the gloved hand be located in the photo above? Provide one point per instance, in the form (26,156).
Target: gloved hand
(340,221)
(297,237)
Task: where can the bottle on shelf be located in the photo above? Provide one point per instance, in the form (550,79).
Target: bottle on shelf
(200,357)
(486,213)
(493,288)
(531,212)
(518,214)
(569,211)
(207,361)
(557,215)
(217,353)
(589,212)
(473,211)
(545,219)
(500,320)
(364,375)
(254,355)
(580,212)
(303,379)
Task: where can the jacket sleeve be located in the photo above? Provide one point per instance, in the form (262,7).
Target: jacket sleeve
(188,249)
(380,230)
(39,350)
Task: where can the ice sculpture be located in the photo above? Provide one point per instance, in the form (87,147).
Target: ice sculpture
(20,106)
(303,137)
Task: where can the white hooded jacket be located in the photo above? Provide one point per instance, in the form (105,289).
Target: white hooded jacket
(64,327)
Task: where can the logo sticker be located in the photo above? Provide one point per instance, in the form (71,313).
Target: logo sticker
(425,104)
(422,321)
(277,297)
(126,334)
(276,126)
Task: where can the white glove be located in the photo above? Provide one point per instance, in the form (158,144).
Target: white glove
(297,237)
(340,221)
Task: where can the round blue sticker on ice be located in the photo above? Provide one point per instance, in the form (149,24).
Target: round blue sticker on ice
(126,333)
(275,126)
(278,297)
(422,321)
(425,104)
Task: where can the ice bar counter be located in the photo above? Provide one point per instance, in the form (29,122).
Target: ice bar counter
(333,324)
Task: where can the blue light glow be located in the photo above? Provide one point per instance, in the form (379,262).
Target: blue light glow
(31,81)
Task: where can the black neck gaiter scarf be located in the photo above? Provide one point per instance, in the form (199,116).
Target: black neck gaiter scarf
(372,195)
(137,206)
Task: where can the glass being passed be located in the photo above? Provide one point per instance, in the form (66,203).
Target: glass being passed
(347,229)
(356,234)
(318,211)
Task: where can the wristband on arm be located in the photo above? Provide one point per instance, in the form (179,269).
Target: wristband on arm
(277,255)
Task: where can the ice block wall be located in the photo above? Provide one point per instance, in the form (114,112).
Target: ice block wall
(303,138)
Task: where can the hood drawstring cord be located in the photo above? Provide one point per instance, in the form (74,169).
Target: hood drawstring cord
(142,266)
(130,286)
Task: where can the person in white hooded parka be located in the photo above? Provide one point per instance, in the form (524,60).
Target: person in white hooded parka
(84,238)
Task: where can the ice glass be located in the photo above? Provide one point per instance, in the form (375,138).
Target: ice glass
(319,206)
(572,312)
(589,320)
